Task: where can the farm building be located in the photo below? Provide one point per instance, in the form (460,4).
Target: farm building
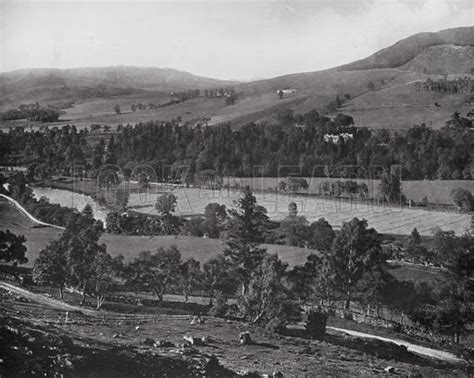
(286,92)
(334,138)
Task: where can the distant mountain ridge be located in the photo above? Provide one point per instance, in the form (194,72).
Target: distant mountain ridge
(40,82)
(402,52)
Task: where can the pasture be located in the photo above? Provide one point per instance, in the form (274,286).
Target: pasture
(385,219)
(129,246)
(202,249)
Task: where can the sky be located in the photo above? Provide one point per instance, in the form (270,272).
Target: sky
(224,39)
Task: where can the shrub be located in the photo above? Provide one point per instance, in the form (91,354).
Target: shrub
(315,323)
(220,306)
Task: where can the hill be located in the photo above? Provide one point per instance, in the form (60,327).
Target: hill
(100,82)
(406,50)
(392,88)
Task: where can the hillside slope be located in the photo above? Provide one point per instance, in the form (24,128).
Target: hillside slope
(408,49)
(384,89)
(52,84)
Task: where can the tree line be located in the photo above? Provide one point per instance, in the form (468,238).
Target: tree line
(31,112)
(422,153)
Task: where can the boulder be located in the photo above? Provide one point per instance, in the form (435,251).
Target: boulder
(389,369)
(194,340)
(245,338)
(149,341)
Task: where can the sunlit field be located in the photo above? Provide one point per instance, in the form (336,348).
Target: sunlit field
(385,219)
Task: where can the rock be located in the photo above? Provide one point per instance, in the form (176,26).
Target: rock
(197,320)
(194,340)
(137,327)
(163,344)
(183,350)
(389,369)
(245,338)
(65,341)
(115,335)
(149,341)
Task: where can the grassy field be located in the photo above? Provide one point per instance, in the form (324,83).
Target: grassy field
(394,104)
(385,219)
(201,249)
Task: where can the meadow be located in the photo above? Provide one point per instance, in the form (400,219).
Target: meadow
(202,249)
(385,219)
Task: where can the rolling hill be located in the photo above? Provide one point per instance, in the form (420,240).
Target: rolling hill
(384,88)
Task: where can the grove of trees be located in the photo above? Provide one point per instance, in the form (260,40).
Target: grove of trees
(422,153)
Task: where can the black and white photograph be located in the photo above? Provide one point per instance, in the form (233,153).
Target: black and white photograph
(211,188)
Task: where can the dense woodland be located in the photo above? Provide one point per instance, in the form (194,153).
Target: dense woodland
(422,152)
(31,112)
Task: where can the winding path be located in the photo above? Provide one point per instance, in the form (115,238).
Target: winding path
(418,349)
(27,214)
(59,305)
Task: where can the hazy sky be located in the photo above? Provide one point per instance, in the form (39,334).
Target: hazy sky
(222,39)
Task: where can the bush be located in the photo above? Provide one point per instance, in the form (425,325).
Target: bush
(315,323)
(463,199)
(220,306)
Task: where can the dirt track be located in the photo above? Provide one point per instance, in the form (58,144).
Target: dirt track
(56,304)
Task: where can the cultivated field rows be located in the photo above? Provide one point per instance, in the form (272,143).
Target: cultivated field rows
(386,219)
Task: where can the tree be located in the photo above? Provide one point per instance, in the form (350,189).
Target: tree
(265,290)
(166,203)
(390,188)
(72,260)
(158,271)
(133,108)
(193,227)
(121,197)
(19,188)
(117,109)
(280,94)
(215,217)
(355,258)
(106,270)
(80,243)
(463,199)
(143,182)
(218,277)
(12,250)
(415,238)
(321,235)
(51,267)
(247,224)
(231,98)
(190,277)
(295,230)
(452,311)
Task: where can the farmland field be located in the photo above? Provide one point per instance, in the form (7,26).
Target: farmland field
(389,220)
(201,249)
